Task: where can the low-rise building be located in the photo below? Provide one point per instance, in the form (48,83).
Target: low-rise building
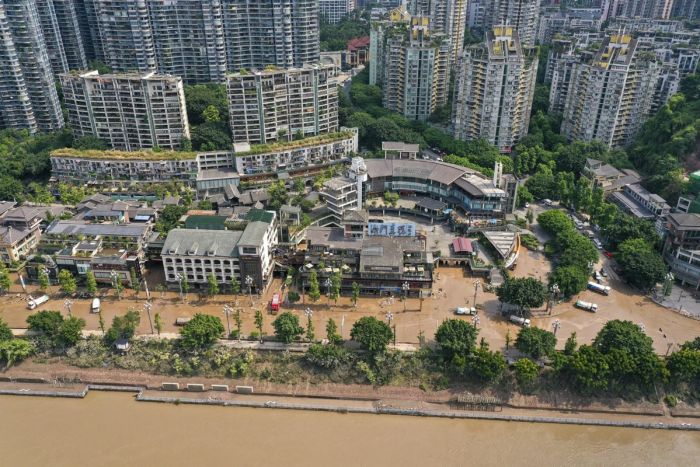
(639,202)
(357,51)
(607,177)
(400,150)
(682,247)
(17,244)
(244,255)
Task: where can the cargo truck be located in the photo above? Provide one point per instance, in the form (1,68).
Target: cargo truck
(588,306)
(35,302)
(601,289)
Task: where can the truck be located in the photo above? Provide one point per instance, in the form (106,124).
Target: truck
(524,322)
(275,303)
(465,310)
(33,303)
(588,306)
(601,289)
(95,307)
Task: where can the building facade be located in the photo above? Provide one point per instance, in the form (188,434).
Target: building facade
(284,33)
(189,39)
(415,69)
(495,88)
(282,104)
(127,111)
(447,17)
(28,97)
(682,247)
(125,34)
(333,11)
(610,95)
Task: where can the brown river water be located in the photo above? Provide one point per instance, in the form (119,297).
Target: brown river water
(112,429)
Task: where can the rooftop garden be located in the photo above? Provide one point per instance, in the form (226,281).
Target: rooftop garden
(146,155)
(286,145)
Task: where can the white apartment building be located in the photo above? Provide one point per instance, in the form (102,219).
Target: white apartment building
(447,17)
(196,254)
(333,11)
(495,88)
(415,69)
(127,111)
(282,104)
(610,95)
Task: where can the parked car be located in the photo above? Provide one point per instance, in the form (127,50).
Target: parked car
(608,254)
(603,273)
(465,310)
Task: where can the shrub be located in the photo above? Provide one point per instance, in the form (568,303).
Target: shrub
(327,356)
(201,332)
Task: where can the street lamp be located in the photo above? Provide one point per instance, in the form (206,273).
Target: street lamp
(476,321)
(554,292)
(69,306)
(556,325)
(147,307)
(670,344)
(227,311)
(389,317)
(405,287)
(328,283)
(115,277)
(179,279)
(249,283)
(477,284)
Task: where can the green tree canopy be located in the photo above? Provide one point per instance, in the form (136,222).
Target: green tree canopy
(487,366)
(640,265)
(524,292)
(535,342)
(457,340)
(201,331)
(287,327)
(5,331)
(123,327)
(526,372)
(570,279)
(373,335)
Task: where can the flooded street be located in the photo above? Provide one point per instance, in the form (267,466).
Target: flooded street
(108,429)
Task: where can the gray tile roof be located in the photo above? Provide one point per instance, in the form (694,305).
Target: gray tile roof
(254,233)
(199,242)
(75,228)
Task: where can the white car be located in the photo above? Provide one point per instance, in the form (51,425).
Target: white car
(463,310)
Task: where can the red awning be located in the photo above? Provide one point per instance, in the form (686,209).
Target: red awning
(462,245)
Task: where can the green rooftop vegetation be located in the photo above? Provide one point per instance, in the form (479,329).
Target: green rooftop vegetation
(286,145)
(124,155)
(259,215)
(205,222)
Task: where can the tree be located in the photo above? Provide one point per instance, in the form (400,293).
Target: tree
(526,372)
(332,332)
(314,290)
(555,222)
(5,331)
(570,279)
(185,284)
(123,327)
(202,96)
(327,357)
(457,340)
(211,136)
(640,266)
(335,287)
(47,322)
(629,353)
(287,328)
(684,366)
(576,250)
(71,330)
(589,370)
(355,293)
(158,323)
(239,322)
(310,334)
(486,365)
(67,282)
(212,285)
(5,281)
(118,286)
(43,280)
(201,332)
(90,283)
(211,114)
(259,321)
(235,286)
(12,351)
(525,292)
(135,282)
(570,346)
(277,193)
(625,227)
(535,342)
(10,188)
(509,339)
(373,335)
(169,218)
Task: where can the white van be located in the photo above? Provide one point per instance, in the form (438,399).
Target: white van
(95,308)
(35,302)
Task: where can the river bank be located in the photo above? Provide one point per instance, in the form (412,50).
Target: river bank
(56,380)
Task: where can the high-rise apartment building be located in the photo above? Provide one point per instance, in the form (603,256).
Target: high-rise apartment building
(28,97)
(125,38)
(333,11)
(61,29)
(383,25)
(282,104)
(689,9)
(189,39)
(127,111)
(611,93)
(660,9)
(495,87)
(415,68)
(522,15)
(284,33)
(446,17)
